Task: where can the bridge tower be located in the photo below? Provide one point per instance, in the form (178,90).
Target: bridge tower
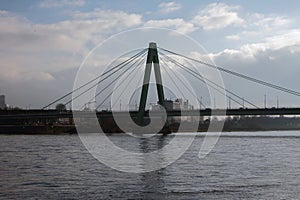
(152,57)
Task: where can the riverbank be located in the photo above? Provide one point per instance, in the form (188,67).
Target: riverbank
(173,128)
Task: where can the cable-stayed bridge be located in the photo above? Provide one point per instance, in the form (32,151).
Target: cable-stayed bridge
(121,74)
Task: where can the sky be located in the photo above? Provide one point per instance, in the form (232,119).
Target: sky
(43,43)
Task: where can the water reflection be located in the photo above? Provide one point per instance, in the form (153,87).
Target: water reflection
(151,155)
(153,182)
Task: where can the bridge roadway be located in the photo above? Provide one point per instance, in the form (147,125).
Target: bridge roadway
(50,114)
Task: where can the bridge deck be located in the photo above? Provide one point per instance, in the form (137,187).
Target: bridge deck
(48,114)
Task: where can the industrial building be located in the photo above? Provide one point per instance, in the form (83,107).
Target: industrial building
(178,104)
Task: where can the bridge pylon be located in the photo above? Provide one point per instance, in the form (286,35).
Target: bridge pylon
(152,58)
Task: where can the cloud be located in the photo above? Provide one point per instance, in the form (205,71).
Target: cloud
(232,37)
(267,21)
(47,55)
(61,3)
(287,41)
(274,59)
(35,55)
(109,17)
(37,76)
(27,46)
(260,26)
(168,7)
(178,24)
(217,16)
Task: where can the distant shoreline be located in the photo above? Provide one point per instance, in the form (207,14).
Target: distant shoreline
(63,122)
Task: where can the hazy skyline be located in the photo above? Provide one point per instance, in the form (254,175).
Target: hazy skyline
(44,42)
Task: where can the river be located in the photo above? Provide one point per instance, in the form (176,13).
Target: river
(242,165)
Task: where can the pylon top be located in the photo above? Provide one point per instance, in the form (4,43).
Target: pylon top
(152,45)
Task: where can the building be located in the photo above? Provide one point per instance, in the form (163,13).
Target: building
(180,104)
(168,105)
(2,102)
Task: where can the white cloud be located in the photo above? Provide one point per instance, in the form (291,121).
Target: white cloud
(217,16)
(37,53)
(287,40)
(178,24)
(205,57)
(267,21)
(60,3)
(259,26)
(27,46)
(109,17)
(232,37)
(45,57)
(168,7)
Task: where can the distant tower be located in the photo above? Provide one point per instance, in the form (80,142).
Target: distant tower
(2,102)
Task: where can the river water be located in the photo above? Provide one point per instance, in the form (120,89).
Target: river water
(242,165)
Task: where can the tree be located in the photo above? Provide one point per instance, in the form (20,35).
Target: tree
(60,107)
